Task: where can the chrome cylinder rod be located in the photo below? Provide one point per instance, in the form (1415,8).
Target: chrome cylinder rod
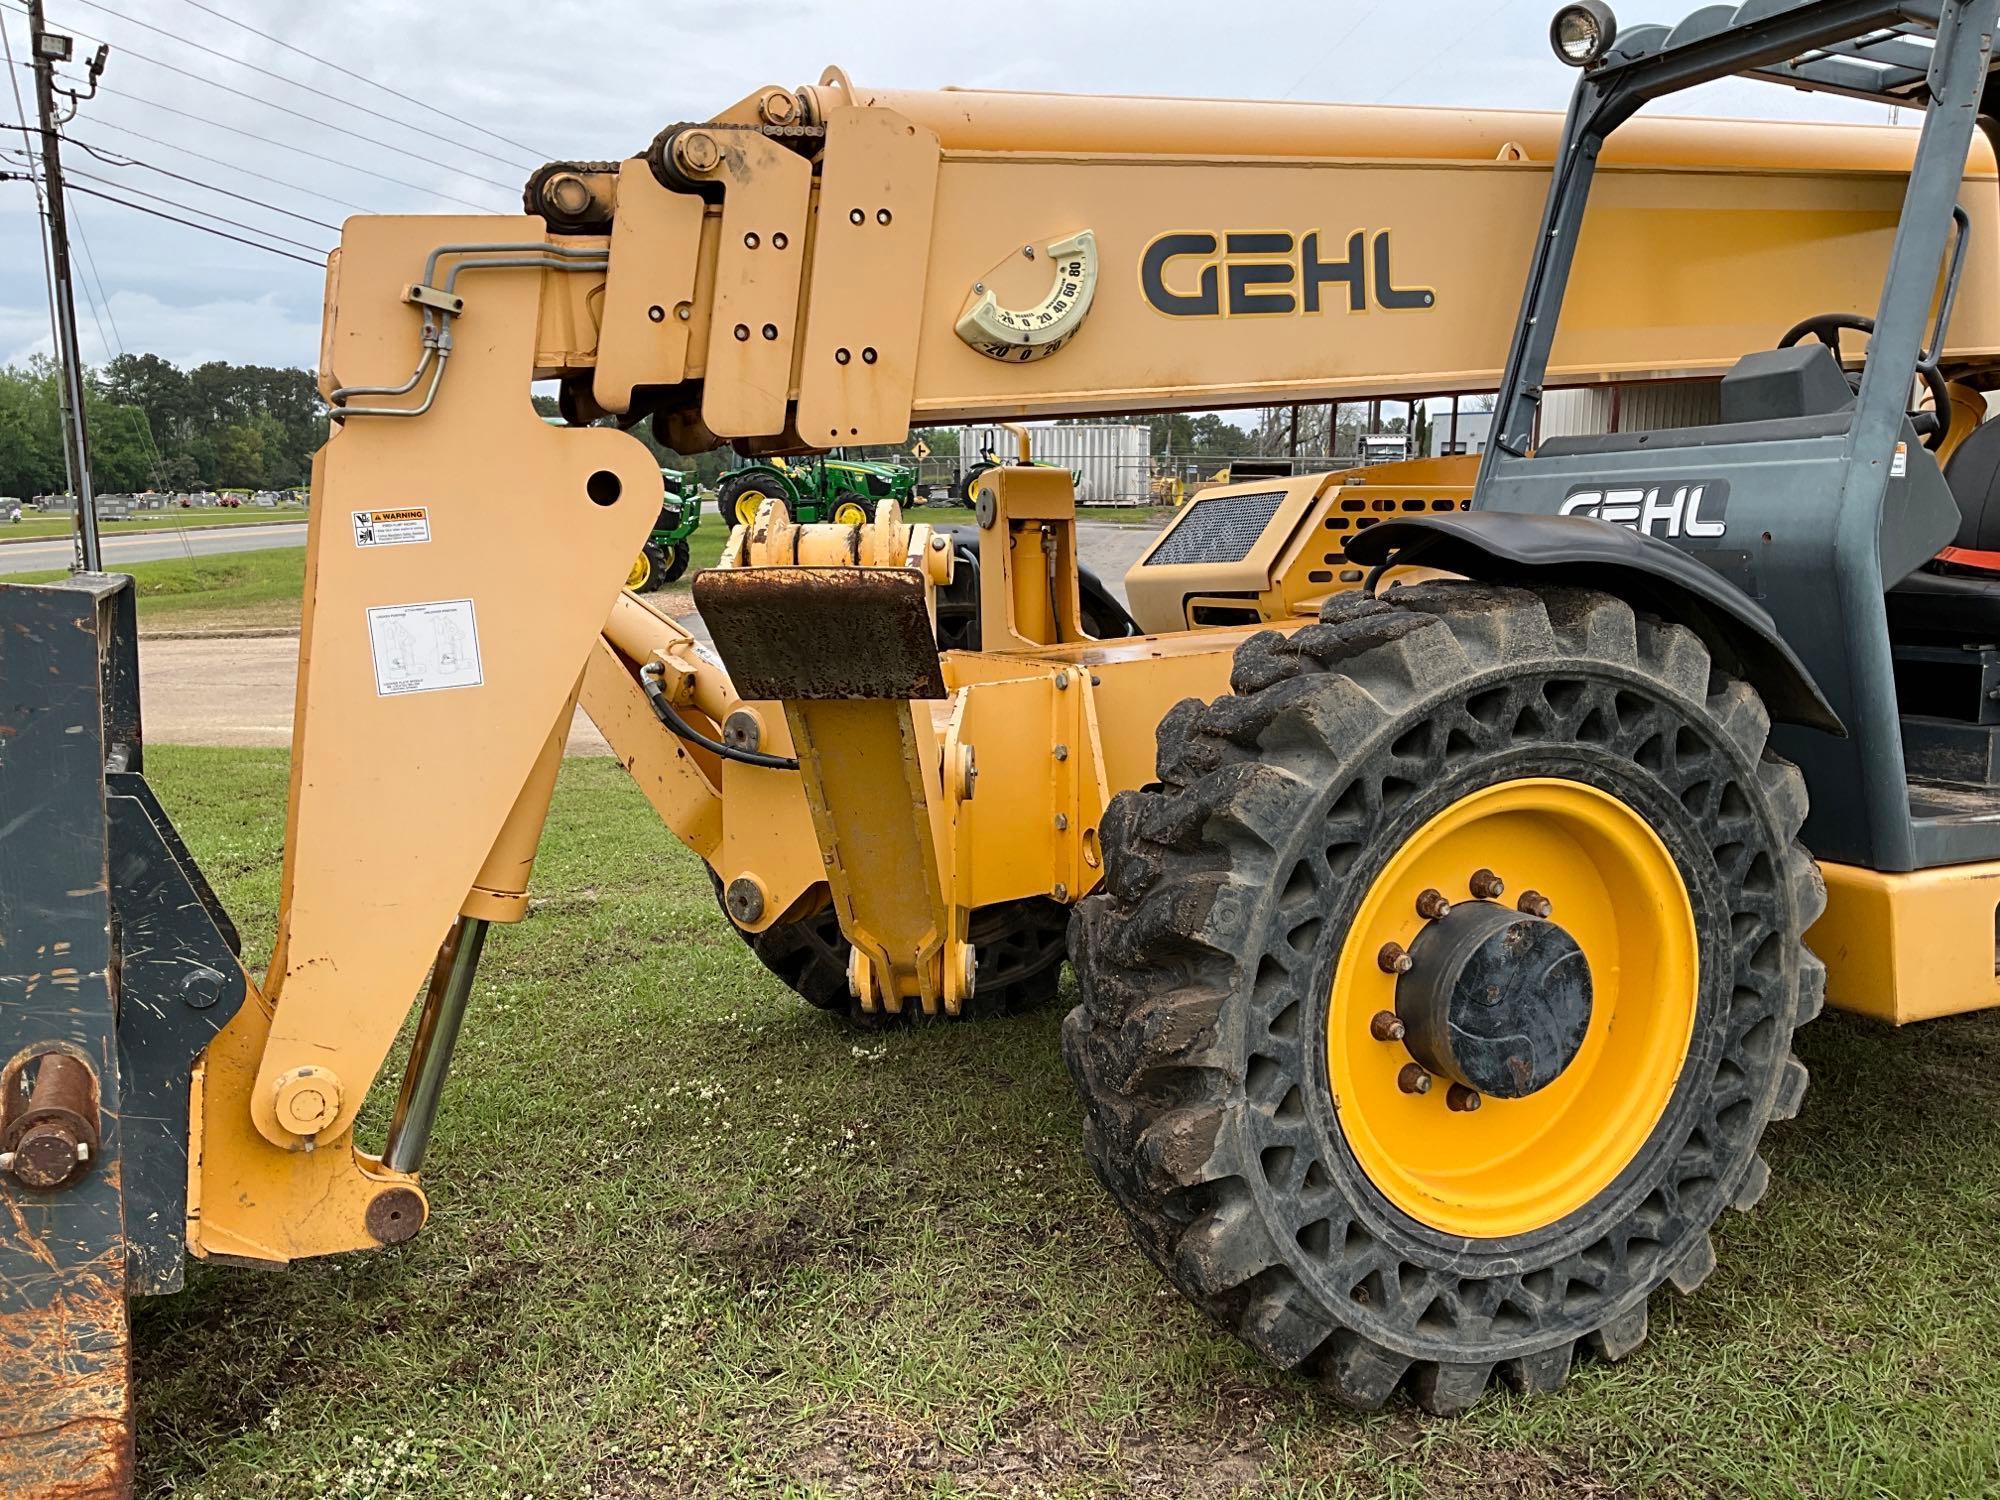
(430,1053)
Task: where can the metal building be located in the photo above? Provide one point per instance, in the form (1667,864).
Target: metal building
(1113,460)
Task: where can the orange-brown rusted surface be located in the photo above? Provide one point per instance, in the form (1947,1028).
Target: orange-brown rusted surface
(65,1376)
(792,633)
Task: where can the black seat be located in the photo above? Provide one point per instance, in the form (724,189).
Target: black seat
(1965,607)
(1974,477)
(1946,600)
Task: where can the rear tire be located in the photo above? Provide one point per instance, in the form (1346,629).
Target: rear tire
(740,495)
(1020,947)
(649,570)
(971,480)
(1205,1043)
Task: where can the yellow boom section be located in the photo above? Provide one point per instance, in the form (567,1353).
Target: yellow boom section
(1244,253)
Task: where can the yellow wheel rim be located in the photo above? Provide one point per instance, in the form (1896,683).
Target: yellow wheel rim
(847,513)
(639,571)
(746,506)
(1515,1165)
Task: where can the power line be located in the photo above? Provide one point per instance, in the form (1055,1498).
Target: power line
(269,234)
(362,78)
(1317,61)
(297,114)
(35,181)
(332,161)
(317,265)
(145,422)
(1430,61)
(295,83)
(217,161)
(189,207)
(207,187)
(90,261)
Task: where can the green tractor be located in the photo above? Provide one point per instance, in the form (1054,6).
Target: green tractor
(989,458)
(830,488)
(665,555)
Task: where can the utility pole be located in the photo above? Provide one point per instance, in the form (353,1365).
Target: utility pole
(50,48)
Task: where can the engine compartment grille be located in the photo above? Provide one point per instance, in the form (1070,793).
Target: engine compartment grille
(1218,529)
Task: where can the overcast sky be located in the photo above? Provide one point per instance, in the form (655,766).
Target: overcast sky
(565,79)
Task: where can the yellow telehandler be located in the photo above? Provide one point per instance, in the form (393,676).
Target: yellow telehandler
(1434,861)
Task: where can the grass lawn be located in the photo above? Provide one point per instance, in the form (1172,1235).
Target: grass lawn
(236,591)
(34,526)
(691,1238)
(214,594)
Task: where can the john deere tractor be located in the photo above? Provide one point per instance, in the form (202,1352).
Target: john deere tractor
(833,488)
(665,555)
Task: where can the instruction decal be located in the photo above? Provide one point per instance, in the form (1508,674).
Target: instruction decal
(1900,464)
(424,648)
(392,528)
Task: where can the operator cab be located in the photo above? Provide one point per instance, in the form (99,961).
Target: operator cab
(1818,497)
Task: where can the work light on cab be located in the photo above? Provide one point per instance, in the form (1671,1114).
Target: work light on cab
(1582,33)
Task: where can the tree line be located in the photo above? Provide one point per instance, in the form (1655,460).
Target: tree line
(155,426)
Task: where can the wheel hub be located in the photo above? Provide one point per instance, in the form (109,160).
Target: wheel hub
(1494,1066)
(1495,999)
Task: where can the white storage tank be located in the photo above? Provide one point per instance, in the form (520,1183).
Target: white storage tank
(1113,460)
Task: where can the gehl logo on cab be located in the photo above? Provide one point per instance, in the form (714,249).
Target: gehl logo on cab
(1694,510)
(1195,274)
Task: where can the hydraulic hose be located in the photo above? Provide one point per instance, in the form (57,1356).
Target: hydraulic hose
(649,679)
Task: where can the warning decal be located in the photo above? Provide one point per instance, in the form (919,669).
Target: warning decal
(424,648)
(392,528)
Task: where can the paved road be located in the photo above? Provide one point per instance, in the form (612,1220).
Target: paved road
(152,546)
(238,691)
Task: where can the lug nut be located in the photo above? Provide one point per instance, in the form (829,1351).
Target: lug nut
(1535,904)
(1386,1026)
(1486,886)
(1431,905)
(1413,1079)
(1461,1099)
(1393,959)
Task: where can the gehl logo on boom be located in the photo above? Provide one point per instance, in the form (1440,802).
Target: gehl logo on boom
(1693,510)
(1247,274)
